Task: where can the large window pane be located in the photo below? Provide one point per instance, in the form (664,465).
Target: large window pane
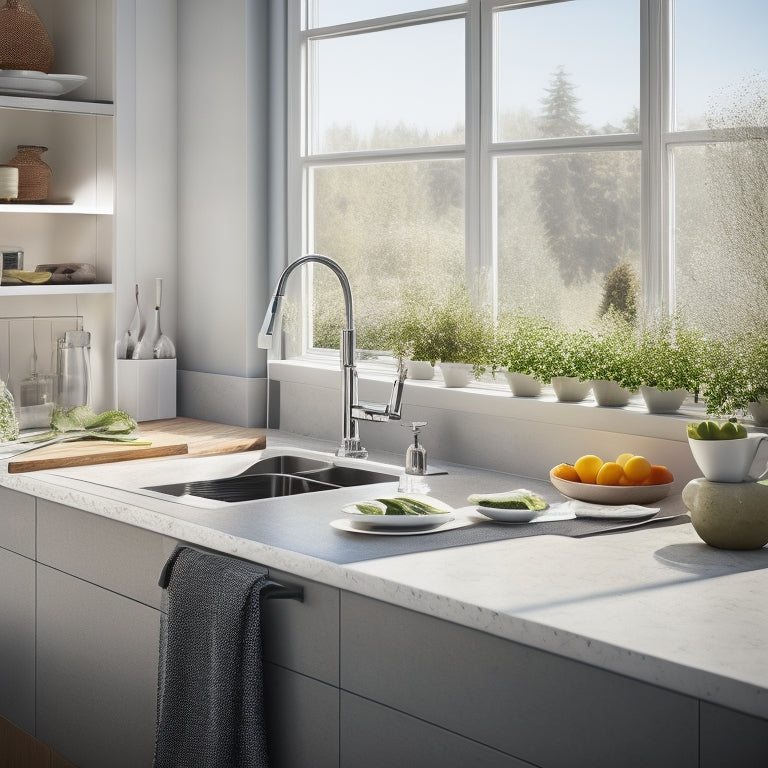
(389,89)
(568,69)
(389,225)
(721,234)
(324,13)
(720,47)
(565,222)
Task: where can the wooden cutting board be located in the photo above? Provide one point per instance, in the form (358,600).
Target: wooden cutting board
(169,437)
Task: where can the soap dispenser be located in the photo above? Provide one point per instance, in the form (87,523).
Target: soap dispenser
(413,481)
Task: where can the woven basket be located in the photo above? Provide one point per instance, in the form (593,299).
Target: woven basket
(34,173)
(24,41)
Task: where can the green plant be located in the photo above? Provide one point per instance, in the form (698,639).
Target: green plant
(612,354)
(563,353)
(442,326)
(522,344)
(736,373)
(671,355)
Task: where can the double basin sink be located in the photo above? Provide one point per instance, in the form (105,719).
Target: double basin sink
(281,475)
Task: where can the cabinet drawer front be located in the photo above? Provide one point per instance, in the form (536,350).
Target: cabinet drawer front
(97,658)
(379,737)
(304,636)
(536,706)
(17,640)
(120,557)
(17,522)
(730,738)
(302,720)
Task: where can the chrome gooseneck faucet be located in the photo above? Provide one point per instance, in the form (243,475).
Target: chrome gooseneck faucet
(352,410)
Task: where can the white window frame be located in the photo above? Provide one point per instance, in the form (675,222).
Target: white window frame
(656,140)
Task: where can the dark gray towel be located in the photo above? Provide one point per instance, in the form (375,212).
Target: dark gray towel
(210,710)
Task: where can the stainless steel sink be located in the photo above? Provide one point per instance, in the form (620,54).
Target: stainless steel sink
(275,476)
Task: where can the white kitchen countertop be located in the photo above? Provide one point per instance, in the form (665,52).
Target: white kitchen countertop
(655,604)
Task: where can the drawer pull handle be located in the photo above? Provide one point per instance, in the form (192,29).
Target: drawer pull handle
(274,591)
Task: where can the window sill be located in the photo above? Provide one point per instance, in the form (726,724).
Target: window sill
(491,398)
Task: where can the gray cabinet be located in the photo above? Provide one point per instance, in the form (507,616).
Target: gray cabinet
(730,738)
(17,522)
(17,640)
(535,706)
(379,737)
(98,627)
(96,673)
(301,664)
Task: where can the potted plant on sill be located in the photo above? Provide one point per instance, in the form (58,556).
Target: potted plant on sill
(725,382)
(564,362)
(407,334)
(613,364)
(671,360)
(522,345)
(445,329)
(461,338)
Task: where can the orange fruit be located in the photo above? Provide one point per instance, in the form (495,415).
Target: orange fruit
(611,473)
(587,467)
(566,472)
(660,475)
(637,469)
(623,458)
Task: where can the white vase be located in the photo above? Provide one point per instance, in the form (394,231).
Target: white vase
(456,374)
(522,384)
(420,369)
(759,412)
(610,394)
(570,389)
(663,400)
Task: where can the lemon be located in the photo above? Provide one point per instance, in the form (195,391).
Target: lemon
(587,467)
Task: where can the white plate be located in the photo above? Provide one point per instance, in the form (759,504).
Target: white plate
(611,494)
(26,82)
(352,526)
(399,521)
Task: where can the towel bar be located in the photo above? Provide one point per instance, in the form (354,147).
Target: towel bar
(275,591)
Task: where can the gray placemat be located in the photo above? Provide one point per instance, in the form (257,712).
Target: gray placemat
(319,539)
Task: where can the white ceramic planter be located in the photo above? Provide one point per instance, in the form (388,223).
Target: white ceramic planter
(609,394)
(663,400)
(522,384)
(759,412)
(570,389)
(456,374)
(420,369)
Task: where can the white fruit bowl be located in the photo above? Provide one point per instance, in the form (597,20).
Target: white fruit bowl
(611,494)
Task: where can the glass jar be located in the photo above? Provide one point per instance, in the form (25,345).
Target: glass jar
(9,423)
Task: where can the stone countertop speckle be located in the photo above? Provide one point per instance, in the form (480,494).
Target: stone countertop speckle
(655,604)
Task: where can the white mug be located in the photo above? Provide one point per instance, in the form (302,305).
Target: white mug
(727,461)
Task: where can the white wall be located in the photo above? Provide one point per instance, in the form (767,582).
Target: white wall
(223,155)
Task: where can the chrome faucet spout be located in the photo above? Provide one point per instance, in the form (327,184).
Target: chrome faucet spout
(352,410)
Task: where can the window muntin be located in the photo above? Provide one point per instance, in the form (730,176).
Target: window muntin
(588,80)
(326,13)
(392,88)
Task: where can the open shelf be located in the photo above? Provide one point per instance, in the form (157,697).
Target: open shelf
(58,105)
(55,290)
